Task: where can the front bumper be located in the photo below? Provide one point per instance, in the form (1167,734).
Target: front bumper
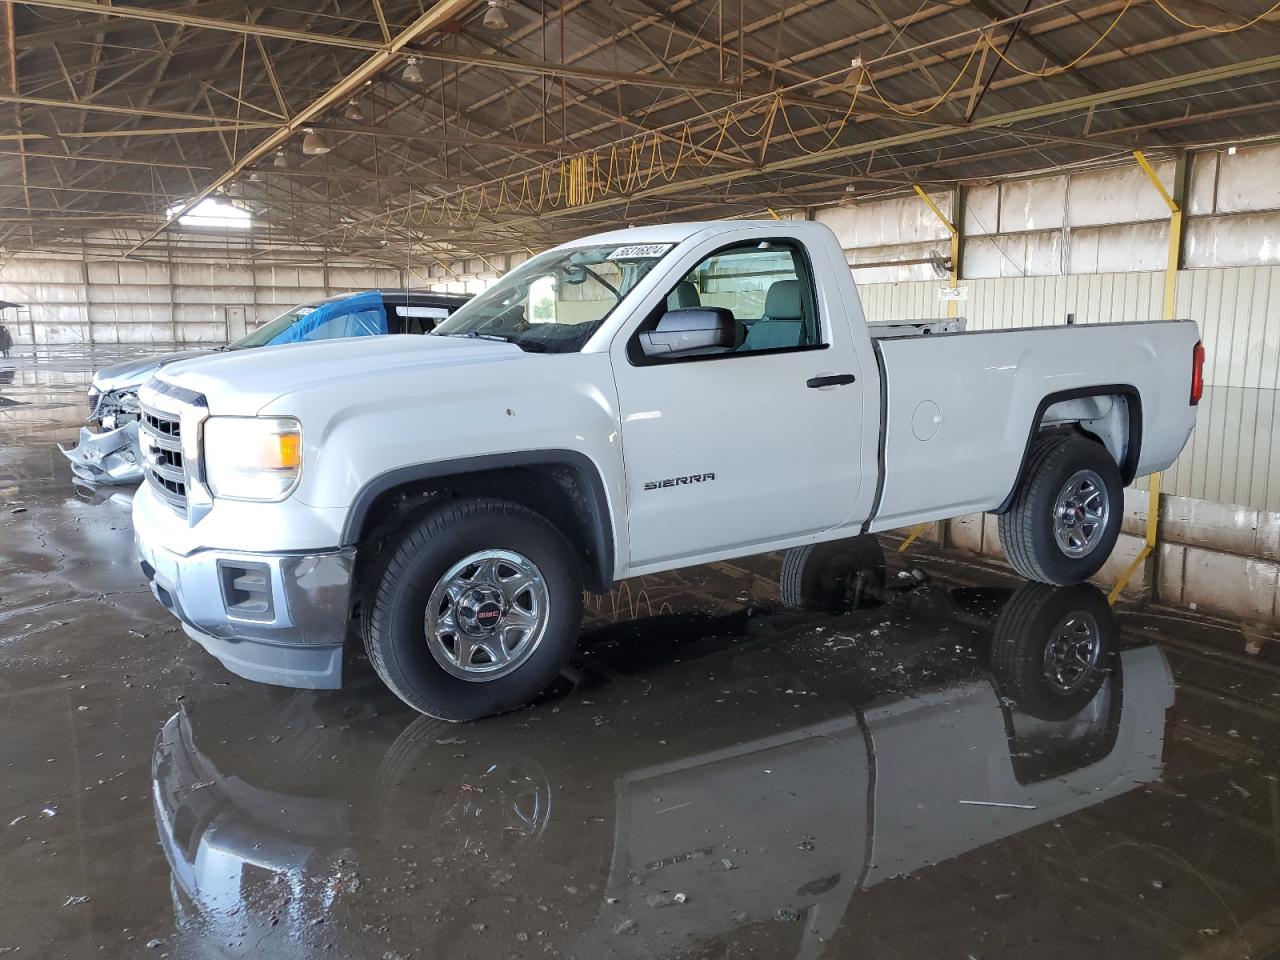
(107,458)
(290,635)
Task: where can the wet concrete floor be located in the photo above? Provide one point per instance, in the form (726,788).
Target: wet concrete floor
(998,770)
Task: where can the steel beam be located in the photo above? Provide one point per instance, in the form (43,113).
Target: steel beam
(51,103)
(507,64)
(11,45)
(1002,121)
(434,17)
(95,158)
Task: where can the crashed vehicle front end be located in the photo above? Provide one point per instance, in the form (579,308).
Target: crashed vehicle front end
(110,408)
(107,458)
(110,454)
(107,452)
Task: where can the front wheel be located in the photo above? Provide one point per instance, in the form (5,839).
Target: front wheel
(824,576)
(1065,518)
(476,612)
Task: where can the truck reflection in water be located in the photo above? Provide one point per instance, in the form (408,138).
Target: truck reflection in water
(771,770)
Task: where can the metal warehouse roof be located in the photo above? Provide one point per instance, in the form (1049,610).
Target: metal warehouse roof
(450,138)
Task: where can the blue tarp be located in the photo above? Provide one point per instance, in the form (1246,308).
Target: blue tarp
(359,315)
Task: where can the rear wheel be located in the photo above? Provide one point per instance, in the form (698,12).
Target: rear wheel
(823,576)
(477,610)
(1052,648)
(1065,518)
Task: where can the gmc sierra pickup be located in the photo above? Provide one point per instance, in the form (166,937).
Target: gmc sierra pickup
(632,402)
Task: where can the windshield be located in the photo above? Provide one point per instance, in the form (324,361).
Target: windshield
(554,302)
(269,331)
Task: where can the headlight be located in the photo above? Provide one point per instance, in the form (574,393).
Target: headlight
(252,458)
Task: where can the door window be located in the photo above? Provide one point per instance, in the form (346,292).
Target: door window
(766,287)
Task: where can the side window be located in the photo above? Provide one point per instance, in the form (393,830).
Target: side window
(759,294)
(415,319)
(358,323)
(542,300)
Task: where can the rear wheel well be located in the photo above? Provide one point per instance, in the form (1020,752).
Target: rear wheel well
(556,491)
(1108,415)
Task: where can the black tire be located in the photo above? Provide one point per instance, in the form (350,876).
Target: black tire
(1027,528)
(395,635)
(1028,672)
(820,576)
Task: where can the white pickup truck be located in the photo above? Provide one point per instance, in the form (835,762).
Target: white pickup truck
(632,402)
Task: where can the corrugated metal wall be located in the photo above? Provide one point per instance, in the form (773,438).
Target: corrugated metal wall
(111,301)
(70,301)
(1234,455)
(998,304)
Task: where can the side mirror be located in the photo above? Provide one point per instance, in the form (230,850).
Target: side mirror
(688,329)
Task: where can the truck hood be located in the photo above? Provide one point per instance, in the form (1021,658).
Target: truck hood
(241,383)
(134,373)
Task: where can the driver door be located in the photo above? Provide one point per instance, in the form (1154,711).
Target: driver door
(738,446)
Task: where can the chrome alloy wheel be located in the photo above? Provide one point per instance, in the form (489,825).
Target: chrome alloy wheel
(1080,514)
(487,615)
(1072,652)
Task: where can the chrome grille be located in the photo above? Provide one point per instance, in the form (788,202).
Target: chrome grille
(161,441)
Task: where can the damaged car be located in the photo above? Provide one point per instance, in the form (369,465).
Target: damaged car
(108,451)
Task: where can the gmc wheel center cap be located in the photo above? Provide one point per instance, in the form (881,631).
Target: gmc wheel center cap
(480,610)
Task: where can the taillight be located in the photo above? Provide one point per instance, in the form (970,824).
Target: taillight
(1197,373)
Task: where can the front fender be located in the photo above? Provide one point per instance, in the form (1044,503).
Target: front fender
(445,421)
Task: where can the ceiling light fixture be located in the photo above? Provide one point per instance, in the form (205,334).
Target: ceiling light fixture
(861,74)
(212,213)
(314,144)
(412,74)
(495,18)
(353,111)
(281,160)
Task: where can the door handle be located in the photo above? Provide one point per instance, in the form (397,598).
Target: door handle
(831,380)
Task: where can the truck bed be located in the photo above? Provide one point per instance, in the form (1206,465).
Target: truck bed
(959,408)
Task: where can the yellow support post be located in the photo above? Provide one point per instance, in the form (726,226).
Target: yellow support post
(951,229)
(1149,547)
(911,537)
(1170,308)
(1175,232)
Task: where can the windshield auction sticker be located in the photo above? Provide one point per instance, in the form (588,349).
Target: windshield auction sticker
(641,251)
